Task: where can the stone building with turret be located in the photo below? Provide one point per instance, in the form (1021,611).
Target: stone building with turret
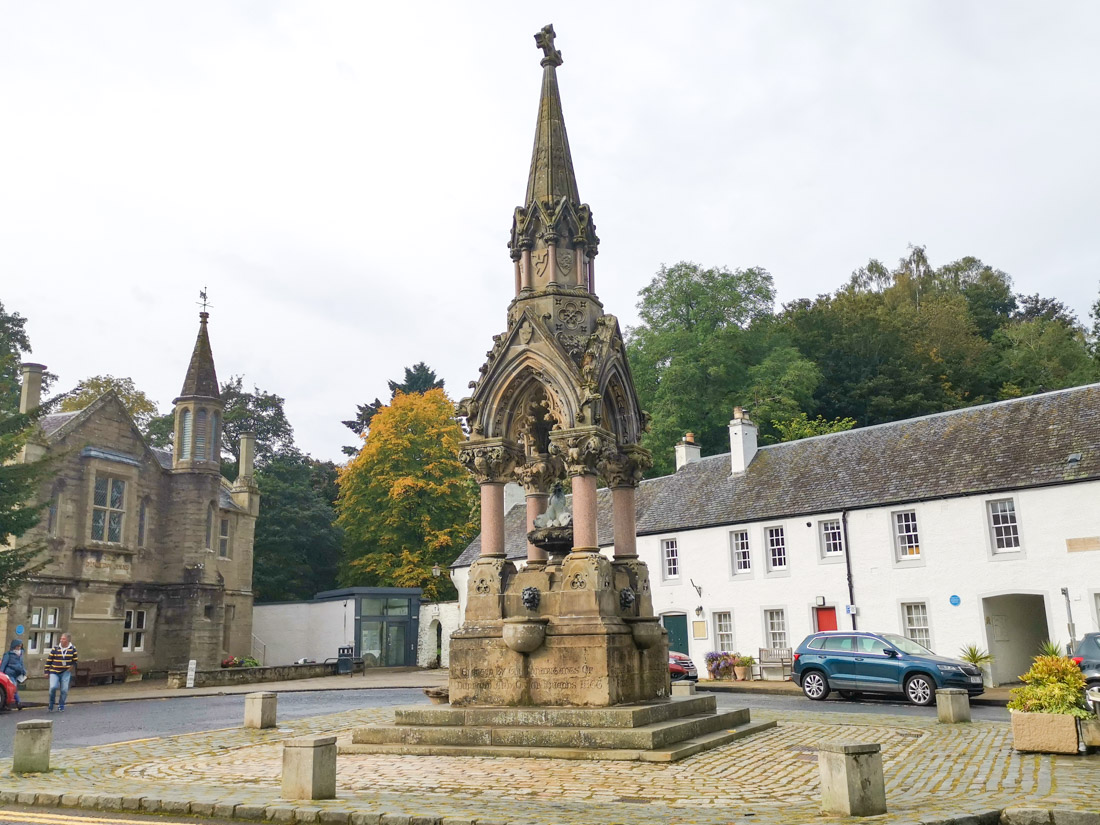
(148,556)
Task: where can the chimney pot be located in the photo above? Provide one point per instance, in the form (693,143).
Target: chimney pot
(689,438)
(738,413)
(30,394)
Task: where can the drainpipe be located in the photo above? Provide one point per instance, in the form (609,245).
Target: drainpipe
(848,564)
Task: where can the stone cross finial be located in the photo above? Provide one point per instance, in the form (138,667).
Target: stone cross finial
(545,41)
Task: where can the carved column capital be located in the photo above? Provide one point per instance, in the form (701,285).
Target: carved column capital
(490,461)
(626,466)
(581,450)
(539,473)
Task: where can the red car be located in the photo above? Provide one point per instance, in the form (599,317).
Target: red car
(681,668)
(7,692)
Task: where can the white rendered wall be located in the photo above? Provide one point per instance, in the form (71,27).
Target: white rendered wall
(449,617)
(956,560)
(303,630)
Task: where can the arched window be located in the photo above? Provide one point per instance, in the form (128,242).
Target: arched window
(209,526)
(200,435)
(215,436)
(185,435)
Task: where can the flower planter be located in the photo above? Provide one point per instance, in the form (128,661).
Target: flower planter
(741,673)
(1044,732)
(1090,732)
(133,677)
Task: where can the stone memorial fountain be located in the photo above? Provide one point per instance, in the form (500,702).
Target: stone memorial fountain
(562,656)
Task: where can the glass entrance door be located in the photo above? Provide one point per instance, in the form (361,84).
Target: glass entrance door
(385,631)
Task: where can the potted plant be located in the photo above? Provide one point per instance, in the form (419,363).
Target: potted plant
(1046,709)
(720,664)
(132,673)
(1050,648)
(743,667)
(981,659)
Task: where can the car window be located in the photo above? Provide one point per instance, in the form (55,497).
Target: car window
(1090,646)
(907,645)
(839,643)
(816,644)
(871,645)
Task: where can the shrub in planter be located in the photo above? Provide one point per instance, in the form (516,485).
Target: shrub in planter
(1047,707)
(720,664)
(743,666)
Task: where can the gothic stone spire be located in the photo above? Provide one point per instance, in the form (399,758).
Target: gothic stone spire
(201,380)
(552,214)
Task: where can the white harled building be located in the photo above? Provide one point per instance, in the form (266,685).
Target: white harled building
(977,526)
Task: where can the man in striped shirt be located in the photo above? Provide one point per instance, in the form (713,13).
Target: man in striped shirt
(60,664)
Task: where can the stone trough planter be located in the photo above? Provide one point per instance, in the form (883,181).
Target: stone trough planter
(1044,732)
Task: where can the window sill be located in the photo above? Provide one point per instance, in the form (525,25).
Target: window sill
(834,558)
(783,572)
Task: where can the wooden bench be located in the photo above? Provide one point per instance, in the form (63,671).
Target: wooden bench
(782,657)
(99,671)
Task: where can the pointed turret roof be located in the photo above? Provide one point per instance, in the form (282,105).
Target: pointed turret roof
(552,205)
(201,380)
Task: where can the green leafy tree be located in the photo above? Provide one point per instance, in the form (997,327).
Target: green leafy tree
(419,378)
(160,431)
(406,503)
(258,412)
(701,330)
(297,547)
(20,507)
(141,408)
(802,426)
(14,345)
(1038,355)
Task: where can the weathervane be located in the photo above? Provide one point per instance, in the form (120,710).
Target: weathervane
(545,41)
(203,303)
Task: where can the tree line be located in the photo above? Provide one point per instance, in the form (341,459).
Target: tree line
(890,343)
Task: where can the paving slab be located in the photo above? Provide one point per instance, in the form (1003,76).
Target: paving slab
(934,773)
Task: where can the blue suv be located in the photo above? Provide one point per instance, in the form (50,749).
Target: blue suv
(855,662)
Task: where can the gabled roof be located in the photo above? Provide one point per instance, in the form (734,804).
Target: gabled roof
(1040,440)
(57,426)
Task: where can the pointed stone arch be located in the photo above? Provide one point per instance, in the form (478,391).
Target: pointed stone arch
(519,378)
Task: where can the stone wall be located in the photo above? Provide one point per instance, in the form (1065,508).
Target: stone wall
(253,675)
(447,616)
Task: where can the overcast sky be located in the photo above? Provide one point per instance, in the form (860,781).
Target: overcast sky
(342,176)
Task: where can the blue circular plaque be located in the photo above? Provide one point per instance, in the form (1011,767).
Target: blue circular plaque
(955,601)
(19,630)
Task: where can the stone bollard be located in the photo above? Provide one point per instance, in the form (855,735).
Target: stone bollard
(31,748)
(259,709)
(683,688)
(851,779)
(309,768)
(953,705)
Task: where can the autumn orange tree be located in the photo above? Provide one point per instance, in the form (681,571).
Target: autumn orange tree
(405,501)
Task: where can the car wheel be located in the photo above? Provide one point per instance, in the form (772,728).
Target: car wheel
(815,685)
(920,690)
(848,694)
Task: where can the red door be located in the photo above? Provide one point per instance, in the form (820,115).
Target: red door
(825,617)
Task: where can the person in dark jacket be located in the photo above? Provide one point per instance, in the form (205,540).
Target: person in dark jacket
(11,665)
(60,664)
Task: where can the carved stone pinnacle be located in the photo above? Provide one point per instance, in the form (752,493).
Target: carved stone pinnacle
(545,41)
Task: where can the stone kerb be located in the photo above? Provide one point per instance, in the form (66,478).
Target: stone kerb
(31,747)
(952,705)
(309,768)
(852,783)
(260,709)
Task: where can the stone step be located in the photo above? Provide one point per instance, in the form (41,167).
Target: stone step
(680,750)
(621,716)
(655,735)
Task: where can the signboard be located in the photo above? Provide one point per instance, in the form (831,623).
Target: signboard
(955,601)
(851,610)
(698,630)
(19,630)
(191,667)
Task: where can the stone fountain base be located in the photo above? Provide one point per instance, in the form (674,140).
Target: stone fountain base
(647,732)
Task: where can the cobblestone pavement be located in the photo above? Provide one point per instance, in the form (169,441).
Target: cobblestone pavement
(932,772)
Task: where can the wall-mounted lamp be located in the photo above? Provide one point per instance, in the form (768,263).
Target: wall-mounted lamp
(820,601)
(437,571)
(699,610)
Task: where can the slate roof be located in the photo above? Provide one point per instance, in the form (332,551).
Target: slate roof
(1009,445)
(52,423)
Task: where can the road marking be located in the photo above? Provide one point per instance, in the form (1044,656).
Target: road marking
(57,819)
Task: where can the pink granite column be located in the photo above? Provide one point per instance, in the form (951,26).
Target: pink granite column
(519,281)
(626,537)
(536,506)
(584,513)
(492,519)
(592,274)
(525,279)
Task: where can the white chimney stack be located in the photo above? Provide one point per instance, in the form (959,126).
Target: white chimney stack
(687,451)
(742,441)
(30,395)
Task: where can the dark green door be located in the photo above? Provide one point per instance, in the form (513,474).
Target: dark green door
(677,627)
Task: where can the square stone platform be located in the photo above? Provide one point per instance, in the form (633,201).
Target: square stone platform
(664,731)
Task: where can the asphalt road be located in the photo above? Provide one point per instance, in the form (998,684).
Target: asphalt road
(97,723)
